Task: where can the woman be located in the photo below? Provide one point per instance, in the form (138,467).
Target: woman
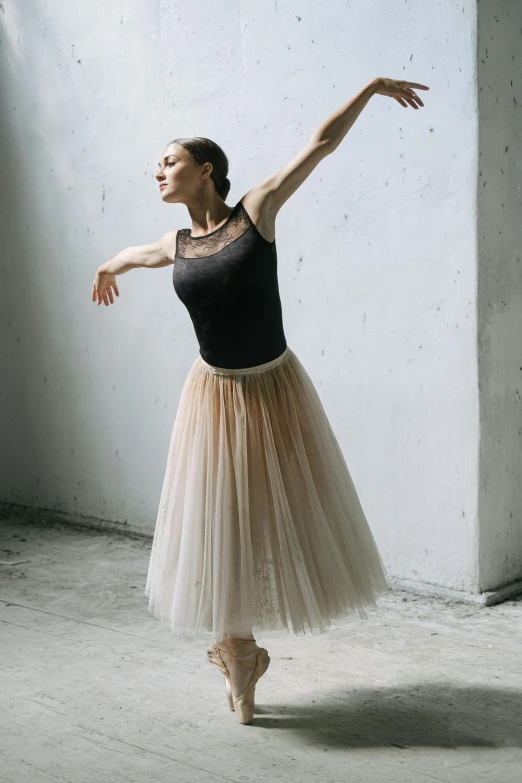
(259,525)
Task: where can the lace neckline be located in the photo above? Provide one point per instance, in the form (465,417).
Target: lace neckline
(235,226)
(211,233)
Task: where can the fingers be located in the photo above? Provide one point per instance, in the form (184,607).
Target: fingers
(403,93)
(410,98)
(409,95)
(415,97)
(110,293)
(99,295)
(414,84)
(105,295)
(411,102)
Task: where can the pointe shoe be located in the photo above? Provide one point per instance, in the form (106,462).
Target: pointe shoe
(214,656)
(244,704)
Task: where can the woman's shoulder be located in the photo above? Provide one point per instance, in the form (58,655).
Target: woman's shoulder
(256,203)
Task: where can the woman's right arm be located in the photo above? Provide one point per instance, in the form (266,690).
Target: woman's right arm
(154,255)
(151,256)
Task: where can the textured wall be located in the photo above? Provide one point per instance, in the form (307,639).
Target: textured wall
(500,290)
(377,250)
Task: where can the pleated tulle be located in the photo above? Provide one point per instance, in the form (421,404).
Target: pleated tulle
(259,525)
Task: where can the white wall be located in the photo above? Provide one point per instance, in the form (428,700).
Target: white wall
(377,250)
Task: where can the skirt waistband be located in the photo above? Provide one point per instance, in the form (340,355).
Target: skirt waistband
(247,370)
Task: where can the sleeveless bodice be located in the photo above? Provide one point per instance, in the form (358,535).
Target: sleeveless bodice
(227,280)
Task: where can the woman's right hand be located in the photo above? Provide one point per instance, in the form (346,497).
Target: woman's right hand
(103,286)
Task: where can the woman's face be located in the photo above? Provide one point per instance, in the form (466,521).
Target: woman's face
(176,174)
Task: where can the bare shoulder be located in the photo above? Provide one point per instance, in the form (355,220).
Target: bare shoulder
(168,243)
(257,203)
(264,201)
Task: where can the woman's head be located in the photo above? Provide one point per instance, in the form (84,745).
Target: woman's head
(189,165)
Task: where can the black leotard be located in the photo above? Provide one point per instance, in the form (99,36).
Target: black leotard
(227,280)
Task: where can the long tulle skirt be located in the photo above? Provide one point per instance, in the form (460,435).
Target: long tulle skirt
(259,526)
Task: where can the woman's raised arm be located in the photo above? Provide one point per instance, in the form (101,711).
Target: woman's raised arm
(151,256)
(278,187)
(335,128)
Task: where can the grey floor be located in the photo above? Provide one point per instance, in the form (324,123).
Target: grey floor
(94,689)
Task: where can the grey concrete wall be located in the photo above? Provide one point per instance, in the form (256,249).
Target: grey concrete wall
(499,303)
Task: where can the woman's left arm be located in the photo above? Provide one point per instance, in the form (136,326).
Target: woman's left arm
(335,128)
(275,190)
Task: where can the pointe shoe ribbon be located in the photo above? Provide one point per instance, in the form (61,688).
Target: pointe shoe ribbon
(244,704)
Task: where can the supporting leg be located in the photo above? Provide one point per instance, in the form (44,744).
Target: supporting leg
(243,663)
(236,654)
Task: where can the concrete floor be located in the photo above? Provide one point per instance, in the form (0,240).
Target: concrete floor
(94,689)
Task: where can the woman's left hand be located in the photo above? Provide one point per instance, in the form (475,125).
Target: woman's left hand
(401,90)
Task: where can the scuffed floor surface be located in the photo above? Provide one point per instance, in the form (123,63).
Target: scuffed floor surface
(94,689)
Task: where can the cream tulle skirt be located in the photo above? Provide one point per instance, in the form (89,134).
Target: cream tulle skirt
(259,525)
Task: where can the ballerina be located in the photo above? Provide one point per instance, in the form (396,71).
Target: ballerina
(259,525)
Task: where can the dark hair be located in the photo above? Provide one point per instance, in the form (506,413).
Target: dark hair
(205,150)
